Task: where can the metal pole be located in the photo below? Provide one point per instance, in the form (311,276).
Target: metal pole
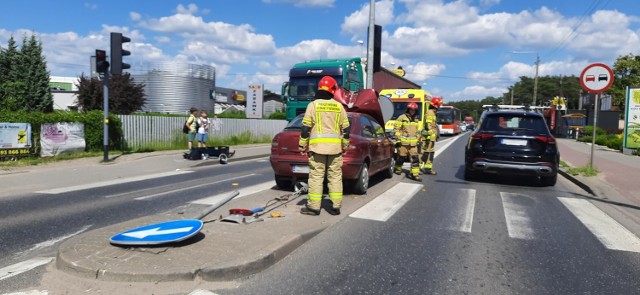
(535,81)
(372,13)
(593,135)
(512,94)
(105,141)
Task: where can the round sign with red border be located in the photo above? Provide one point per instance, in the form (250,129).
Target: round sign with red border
(596,78)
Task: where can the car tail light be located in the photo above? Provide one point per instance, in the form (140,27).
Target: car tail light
(482,135)
(546,139)
(350,149)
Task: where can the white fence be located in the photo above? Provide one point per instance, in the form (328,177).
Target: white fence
(139,131)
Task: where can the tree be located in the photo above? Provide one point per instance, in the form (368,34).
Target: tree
(626,71)
(125,96)
(33,71)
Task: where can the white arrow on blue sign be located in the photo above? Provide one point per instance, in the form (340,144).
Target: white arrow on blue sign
(159,233)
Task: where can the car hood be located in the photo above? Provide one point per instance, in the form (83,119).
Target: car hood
(366,101)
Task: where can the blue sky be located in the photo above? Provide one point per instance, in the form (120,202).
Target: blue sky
(456,49)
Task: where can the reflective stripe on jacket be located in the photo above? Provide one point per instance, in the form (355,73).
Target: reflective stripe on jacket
(407,130)
(327,118)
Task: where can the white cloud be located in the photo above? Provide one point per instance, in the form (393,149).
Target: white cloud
(357,22)
(304,3)
(134,16)
(190,9)
(421,71)
(475,92)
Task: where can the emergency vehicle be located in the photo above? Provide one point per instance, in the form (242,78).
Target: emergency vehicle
(400,98)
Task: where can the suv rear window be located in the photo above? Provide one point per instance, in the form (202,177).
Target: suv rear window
(527,124)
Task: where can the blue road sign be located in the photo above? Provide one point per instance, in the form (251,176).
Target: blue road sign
(159,233)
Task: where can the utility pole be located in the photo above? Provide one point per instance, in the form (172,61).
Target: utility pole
(372,16)
(535,82)
(512,94)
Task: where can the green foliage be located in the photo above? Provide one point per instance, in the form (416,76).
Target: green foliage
(612,141)
(24,79)
(626,70)
(232,115)
(125,96)
(93,126)
(586,170)
(278,116)
(588,130)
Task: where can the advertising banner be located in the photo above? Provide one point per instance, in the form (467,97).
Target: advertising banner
(254,102)
(632,119)
(61,138)
(15,139)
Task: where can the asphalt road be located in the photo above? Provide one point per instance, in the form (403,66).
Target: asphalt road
(501,235)
(34,224)
(498,235)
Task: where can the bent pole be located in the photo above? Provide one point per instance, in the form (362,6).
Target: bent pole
(217,205)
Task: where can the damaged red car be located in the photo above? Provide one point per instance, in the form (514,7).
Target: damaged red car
(370,151)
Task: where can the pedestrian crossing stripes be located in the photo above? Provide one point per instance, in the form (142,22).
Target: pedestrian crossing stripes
(525,216)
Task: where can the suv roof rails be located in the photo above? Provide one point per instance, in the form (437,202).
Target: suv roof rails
(525,107)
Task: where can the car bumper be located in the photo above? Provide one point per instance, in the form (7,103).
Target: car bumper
(283,166)
(514,168)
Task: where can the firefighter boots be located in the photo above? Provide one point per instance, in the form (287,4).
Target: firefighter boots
(306,211)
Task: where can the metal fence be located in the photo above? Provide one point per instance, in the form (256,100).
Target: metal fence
(140,131)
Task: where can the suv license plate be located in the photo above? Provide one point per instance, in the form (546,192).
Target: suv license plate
(300,169)
(518,142)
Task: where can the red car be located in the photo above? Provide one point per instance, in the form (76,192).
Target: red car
(370,152)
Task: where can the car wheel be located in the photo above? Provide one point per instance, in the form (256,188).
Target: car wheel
(283,182)
(549,180)
(470,174)
(362,183)
(388,173)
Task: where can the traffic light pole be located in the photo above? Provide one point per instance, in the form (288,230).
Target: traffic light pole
(106,115)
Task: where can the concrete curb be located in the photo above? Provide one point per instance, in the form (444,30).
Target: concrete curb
(577,182)
(276,251)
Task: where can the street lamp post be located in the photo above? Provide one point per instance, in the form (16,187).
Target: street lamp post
(535,79)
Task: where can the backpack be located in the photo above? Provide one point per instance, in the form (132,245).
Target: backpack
(185,128)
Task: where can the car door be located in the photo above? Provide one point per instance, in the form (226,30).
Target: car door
(368,133)
(384,149)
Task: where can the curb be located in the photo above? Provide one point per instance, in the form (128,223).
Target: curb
(577,182)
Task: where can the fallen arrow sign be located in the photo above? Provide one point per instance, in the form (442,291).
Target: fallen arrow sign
(159,233)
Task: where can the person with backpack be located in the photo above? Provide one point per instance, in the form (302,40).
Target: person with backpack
(203,129)
(191,125)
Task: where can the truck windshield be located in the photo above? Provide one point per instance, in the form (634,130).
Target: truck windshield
(400,108)
(304,88)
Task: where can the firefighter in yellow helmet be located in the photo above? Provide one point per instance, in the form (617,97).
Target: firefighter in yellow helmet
(407,133)
(430,134)
(325,131)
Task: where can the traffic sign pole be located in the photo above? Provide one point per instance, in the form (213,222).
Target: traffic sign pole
(596,78)
(593,136)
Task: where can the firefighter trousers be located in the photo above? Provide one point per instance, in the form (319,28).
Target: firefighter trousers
(428,152)
(319,166)
(407,152)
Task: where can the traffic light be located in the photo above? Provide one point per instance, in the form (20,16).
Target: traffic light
(117,53)
(101,61)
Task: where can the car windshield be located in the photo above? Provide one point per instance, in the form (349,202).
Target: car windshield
(510,122)
(400,108)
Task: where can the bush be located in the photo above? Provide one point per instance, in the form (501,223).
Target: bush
(278,116)
(93,126)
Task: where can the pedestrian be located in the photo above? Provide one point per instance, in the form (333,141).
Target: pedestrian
(216,124)
(203,129)
(325,132)
(191,124)
(431,135)
(407,133)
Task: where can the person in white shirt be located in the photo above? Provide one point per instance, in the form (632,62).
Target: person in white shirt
(204,124)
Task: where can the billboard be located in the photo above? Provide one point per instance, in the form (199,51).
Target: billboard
(632,119)
(254,102)
(15,139)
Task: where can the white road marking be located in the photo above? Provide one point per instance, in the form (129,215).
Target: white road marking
(110,182)
(243,192)
(52,241)
(388,203)
(24,266)
(518,220)
(611,234)
(463,216)
(202,292)
(188,187)
(32,292)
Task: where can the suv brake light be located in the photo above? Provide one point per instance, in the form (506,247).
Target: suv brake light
(546,139)
(482,135)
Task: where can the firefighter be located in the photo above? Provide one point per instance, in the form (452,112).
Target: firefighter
(430,133)
(407,133)
(325,131)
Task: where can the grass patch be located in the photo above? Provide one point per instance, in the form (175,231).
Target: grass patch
(586,170)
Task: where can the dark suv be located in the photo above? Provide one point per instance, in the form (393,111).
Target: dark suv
(512,142)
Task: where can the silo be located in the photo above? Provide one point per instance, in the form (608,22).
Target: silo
(175,87)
